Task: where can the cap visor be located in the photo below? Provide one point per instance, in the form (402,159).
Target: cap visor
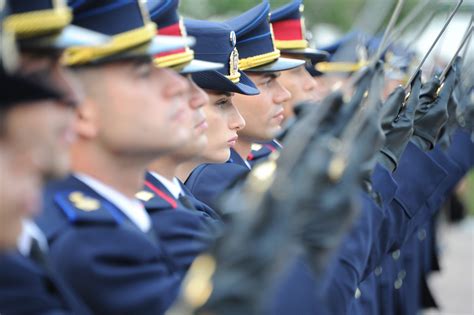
(281,64)
(196,65)
(216,81)
(70,36)
(312,54)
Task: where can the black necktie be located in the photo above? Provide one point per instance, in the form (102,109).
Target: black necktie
(37,254)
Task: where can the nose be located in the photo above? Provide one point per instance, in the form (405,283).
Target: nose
(175,83)
(236,121)
(281,94)
(65,82)
(309,84)
(199,98)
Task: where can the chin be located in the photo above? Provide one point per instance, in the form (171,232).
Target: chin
(218,156)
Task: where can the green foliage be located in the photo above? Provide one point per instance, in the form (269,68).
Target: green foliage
(341,13)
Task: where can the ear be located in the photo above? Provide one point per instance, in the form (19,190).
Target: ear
(86,119)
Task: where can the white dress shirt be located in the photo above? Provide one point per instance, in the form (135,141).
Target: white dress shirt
(132,208)
(174,187)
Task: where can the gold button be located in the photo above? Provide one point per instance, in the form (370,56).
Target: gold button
(402,274)
(396,254)
(398,284)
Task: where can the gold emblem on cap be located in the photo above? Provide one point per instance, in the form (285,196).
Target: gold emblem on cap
(234,74)
(234,62)
(144,195)
(84,203)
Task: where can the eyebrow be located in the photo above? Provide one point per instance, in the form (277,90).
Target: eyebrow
(140,62)
(271,75)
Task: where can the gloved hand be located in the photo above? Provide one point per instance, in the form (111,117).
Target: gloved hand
(444,139)
(432,112)
(398,123)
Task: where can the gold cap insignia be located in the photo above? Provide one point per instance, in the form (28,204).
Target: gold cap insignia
(234,63)
(84,203)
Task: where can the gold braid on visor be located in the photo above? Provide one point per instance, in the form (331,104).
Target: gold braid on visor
(35,23)
(174,59)
(259,60)
(118,43)
(340,66)
(291,44)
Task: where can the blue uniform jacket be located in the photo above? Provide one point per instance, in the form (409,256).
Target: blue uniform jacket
(185,233)
(26,288)
(207,181)
(107,260)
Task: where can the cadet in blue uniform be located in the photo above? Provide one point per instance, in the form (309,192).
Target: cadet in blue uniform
(37,100)
(101,237)
(263,113)
(290,38)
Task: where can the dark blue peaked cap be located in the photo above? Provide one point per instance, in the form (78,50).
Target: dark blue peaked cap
(128,22)
(255,42)
(216,42)
(49,29)
(165,14)
(290,32)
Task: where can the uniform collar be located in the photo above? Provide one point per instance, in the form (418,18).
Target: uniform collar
(132,208)
(237,159)
(174,187)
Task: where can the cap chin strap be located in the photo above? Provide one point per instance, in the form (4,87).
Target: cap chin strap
(118,43)
(259,60)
